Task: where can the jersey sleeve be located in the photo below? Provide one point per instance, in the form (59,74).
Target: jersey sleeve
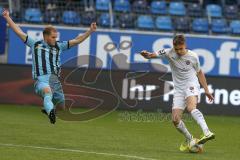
(162,53)
(64,45)
(29,41)
(196,65)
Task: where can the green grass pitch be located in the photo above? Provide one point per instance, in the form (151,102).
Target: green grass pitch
(26,134)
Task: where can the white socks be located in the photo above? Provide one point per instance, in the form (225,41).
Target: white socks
(182,129)
(198,117)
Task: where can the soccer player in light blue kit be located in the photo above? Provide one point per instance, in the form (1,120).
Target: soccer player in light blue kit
(46,63)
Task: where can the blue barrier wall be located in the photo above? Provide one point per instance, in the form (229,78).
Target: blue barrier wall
(219,56)
(2,34)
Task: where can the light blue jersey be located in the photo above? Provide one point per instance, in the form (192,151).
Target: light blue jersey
(46,58)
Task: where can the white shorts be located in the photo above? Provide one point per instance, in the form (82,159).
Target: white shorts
(180,96)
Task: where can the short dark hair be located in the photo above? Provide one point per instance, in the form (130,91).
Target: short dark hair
(48,30)
(179,40)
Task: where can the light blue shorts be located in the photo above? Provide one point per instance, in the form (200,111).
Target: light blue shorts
(52,82)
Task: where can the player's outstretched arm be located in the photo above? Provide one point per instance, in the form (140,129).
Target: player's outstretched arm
(13,25)
(148,55)
(203,81)
(84,36)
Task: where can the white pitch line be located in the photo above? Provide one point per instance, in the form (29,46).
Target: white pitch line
(77,151)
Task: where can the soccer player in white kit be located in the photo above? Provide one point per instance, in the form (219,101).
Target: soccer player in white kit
(186,75)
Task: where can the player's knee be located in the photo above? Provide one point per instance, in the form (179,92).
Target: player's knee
(190,108)
(191,103)
(175,120)
(46,91)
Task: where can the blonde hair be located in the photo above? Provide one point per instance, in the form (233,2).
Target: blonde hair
(49,29)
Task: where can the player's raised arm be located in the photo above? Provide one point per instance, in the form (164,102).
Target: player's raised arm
(159,54)
(148,55)
(13,25)
(84,36)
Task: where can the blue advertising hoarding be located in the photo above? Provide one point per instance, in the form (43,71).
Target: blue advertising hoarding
(219,56)
(2,34)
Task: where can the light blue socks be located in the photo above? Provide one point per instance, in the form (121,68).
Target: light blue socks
(47,102)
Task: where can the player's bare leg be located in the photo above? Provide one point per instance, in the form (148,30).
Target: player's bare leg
(199,118)
(180,126)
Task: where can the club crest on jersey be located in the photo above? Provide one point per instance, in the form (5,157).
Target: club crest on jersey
(187,62)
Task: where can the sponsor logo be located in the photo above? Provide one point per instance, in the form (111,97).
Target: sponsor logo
(130,90)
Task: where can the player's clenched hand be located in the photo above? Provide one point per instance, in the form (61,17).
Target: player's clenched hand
(145,54)
(5,13)
(210,96)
